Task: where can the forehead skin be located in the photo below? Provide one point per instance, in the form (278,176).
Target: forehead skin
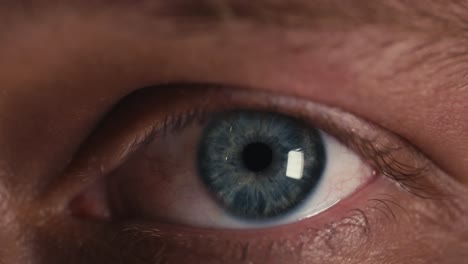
(399,64)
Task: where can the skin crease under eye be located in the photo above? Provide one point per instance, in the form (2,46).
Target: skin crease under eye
(79,79)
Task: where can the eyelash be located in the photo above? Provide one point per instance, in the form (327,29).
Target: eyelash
(380,156)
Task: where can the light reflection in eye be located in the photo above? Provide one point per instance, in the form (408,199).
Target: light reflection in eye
(295,164)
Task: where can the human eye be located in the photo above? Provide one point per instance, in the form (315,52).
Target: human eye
(194,163)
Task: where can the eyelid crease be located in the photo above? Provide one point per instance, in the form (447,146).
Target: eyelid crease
(382,157)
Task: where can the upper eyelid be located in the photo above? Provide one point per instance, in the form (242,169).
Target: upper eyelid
(381,152)
(135,121)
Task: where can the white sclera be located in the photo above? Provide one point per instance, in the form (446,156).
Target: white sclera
(182,198)
(344,173)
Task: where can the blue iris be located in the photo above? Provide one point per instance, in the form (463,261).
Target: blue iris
(243,158)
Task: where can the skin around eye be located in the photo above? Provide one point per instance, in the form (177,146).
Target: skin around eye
(156,175)
(123,153)
(163,182)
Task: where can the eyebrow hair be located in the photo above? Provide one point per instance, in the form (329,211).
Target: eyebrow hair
(444,17)
(448,17)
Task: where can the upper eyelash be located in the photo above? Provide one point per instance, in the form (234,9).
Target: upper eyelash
(407,176)
(381,157)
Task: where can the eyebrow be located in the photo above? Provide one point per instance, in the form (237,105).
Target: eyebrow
(447,17)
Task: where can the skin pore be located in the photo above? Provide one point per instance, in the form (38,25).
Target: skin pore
(398,65)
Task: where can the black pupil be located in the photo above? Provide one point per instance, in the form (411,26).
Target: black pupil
(257,156)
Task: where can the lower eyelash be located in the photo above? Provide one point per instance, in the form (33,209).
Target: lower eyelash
(333,240)
(350,232)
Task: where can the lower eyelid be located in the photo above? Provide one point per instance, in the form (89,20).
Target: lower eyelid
(314,240)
